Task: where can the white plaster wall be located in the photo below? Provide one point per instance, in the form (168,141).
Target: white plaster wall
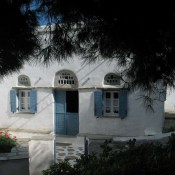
(170,100)
(40,121)
(89,76)
(42,79)
(41,154)
(138,122)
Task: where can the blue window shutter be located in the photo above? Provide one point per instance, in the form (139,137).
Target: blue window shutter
(98,103)
(13,100)
(33,101)
(123,100)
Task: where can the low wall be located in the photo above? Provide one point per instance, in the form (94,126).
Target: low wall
(41,154)
(29,157)
(12,164)
(95,143)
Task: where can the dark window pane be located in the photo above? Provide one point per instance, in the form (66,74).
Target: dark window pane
(116,95)
(108,94)
(72,101)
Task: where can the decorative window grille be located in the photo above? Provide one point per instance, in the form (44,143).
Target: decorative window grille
(23,80)
(111,79)
(66,79)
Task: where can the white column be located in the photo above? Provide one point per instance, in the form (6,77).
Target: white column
(41,154)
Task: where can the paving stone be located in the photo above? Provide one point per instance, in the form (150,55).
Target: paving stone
(70,149)
(11,154)
(70,157)
(65,147)
(23,153)
(63,144)
(61,149)
(22,148)
(61,154)
(79,154)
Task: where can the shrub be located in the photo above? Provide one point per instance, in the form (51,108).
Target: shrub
(7,142)
(169,129)
(138,159)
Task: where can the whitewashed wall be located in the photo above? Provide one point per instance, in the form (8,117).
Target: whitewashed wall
(90,76)
(138,122)
(170,100)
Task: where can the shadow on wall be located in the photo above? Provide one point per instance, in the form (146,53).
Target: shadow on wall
(87,74)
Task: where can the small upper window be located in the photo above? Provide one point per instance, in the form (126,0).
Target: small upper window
(66,78)
(23,80)
(112,79)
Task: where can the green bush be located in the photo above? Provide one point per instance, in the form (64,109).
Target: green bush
(132,158)
(169,129)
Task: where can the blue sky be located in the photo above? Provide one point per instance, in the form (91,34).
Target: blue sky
(42,18)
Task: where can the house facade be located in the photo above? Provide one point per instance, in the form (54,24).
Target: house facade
(72,97)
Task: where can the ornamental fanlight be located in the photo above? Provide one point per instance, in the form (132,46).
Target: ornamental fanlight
(66,78)
(24,80)
(111,79)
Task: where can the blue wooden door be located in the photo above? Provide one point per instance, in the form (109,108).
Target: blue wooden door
(66,114)
(60,112)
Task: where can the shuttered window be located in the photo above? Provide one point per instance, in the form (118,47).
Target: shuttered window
(110,103)
(98,103)
(23,101)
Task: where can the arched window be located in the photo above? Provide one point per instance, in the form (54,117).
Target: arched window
(23,80)
(65,78)
(112,79)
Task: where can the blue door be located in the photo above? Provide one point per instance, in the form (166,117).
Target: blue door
(66,112)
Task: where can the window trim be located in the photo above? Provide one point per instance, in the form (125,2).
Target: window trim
(15,101)
(66,79)
(111,114)
(27,98)
(26,83)
(99,103)
(115,81)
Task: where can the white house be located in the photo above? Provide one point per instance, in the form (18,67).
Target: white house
(73,98)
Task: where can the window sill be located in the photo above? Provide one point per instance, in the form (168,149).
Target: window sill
(25,113)
(109,117)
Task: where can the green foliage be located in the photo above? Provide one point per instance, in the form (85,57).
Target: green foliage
(83,27)
(17,32)
(170,129)
(131,158)
(63,168)
(7,142)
